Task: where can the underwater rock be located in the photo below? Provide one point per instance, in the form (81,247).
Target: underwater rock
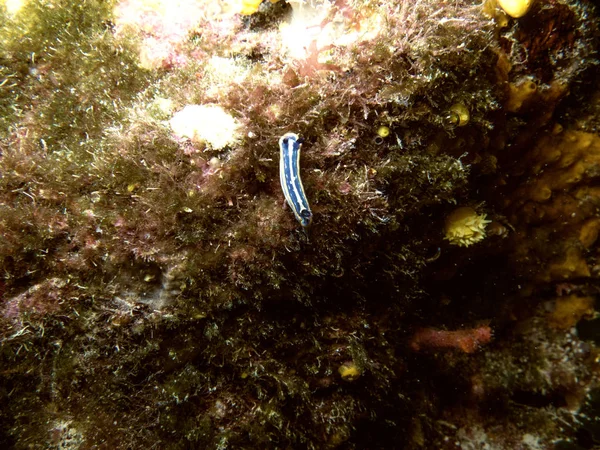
(155,292)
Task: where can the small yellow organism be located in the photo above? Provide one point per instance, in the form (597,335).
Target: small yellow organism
(458,115)
(383,131)
(515,8)
(465,227)
(502,19)
(249,6)
(349,371)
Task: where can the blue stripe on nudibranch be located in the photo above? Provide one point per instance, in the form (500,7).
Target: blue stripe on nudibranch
(289,176)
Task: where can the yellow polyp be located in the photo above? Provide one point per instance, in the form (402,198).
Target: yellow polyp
(571,176)
(530,86)
(540,193)
(588,234)
(383,131)
(572,265)
(464,227)
(502,19)
(551,156)
(349,371)
(585,140)
(250,7)
(520,92)
(515,8)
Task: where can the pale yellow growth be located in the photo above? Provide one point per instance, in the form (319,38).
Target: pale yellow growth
(209,124)
(515,8)
(13,6)
(349,371)
(570,310)
(560,161)
(571,265)
(465,227)
(588,233)
(519,93)
(161,108)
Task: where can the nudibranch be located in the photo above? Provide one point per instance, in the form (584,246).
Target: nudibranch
(289,176)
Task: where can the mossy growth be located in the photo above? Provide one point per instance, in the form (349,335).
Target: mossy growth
(66,75)
(155,291)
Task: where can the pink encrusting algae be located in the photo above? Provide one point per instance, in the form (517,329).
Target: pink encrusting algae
(468,340)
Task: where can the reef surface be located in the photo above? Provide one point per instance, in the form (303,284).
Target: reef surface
(157,292)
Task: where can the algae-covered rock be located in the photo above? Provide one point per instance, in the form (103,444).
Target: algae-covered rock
(157,291)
